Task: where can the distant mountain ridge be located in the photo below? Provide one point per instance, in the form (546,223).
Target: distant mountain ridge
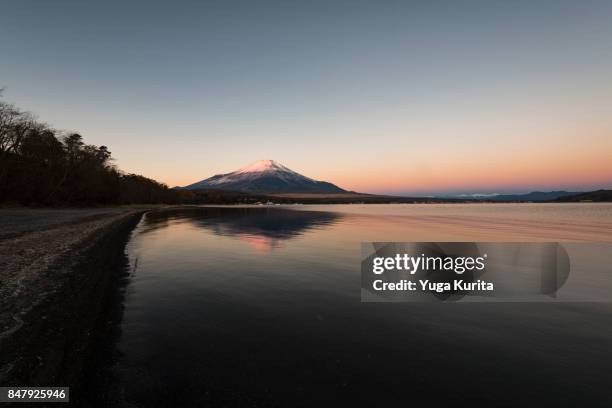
(265,176)
(533,196)
(595,196)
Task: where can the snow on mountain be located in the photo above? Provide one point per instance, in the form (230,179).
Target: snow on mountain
(265,176)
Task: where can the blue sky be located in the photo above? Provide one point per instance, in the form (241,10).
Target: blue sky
(390,96)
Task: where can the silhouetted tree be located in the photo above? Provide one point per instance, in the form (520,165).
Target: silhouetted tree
(39,168)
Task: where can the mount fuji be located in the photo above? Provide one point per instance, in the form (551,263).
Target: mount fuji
(265,176)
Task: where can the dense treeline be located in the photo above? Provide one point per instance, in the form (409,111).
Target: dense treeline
(595,196)
(41,166)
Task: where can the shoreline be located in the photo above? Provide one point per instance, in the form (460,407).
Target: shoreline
(55,284)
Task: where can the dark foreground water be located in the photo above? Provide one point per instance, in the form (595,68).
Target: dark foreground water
(261,307)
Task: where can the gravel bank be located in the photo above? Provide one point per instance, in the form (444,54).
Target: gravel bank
(55,270)
(19,221)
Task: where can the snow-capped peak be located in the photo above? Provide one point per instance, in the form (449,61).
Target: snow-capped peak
(262,166)
(265,176)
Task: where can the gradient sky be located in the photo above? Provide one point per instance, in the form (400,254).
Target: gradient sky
(378,96)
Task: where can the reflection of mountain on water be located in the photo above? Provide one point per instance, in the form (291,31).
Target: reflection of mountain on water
(261,228)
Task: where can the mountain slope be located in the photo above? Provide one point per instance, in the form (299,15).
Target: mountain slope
(265,176)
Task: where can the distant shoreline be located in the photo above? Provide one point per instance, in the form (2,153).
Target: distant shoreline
(235,197)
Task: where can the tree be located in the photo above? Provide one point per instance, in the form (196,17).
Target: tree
(39,167)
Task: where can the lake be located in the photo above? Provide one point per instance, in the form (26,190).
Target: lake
(260,306)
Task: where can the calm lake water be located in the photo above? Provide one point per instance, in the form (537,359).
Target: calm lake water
(261,307)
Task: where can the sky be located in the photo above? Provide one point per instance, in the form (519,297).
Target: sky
(396,97)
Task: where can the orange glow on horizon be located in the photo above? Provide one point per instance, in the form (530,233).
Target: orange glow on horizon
(503,165)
